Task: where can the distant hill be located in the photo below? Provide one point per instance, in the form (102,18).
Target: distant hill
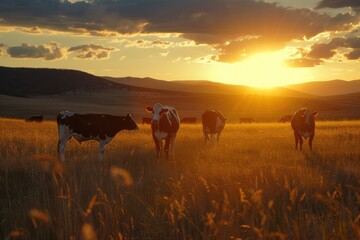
(25,82)
(327,88)
(208,87)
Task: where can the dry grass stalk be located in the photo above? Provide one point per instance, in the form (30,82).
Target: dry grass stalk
(121,177)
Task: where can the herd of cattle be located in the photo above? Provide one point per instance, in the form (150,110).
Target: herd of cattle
(165,123)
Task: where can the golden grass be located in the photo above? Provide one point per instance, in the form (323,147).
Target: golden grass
(253,185)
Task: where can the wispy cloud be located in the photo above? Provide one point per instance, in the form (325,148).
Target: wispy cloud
(91,51)
(338,4)
(50,51)
(348,48)
(141,43)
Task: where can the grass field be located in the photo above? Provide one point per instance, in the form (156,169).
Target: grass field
(253,185)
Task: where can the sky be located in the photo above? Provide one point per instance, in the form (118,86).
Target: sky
(262,43)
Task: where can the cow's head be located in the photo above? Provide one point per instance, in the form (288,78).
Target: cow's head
(157,111)
(130,123)
(308,116)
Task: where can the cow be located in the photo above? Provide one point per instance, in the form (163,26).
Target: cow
(146,120)
(285,118)
(84,127)
(246,120)
(165,124)
(303,124)
(213,122)
(38,119)
(190,120)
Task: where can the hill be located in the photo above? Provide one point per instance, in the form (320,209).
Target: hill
(26,82)
(327,88)
(207,87)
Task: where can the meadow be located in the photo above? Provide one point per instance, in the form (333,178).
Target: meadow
(253,185)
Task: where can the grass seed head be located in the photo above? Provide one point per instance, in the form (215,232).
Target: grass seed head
(121,177)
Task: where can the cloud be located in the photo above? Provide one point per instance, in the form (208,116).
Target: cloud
(338,4)
(91,51)
(346,47)
(302,62)
(236,28)
(353,55)
(50,51)
(141,43)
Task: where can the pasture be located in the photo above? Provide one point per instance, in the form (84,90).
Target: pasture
(253,185)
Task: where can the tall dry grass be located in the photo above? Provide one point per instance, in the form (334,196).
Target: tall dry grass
(253,185)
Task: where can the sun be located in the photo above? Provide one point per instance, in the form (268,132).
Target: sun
(264,70)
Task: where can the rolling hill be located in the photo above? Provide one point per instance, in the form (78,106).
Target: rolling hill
(49,91)
(327,88)
(27,82)
(206,87)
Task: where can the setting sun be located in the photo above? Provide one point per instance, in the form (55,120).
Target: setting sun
(263,70)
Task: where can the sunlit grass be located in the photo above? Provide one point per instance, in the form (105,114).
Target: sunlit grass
(253,185)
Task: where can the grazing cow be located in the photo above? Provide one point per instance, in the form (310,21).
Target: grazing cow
(146,120)
(38,119)
(285,118)
(213,122)
(165,124)
(303,124)
(246,120)
(84,127)
(188,120)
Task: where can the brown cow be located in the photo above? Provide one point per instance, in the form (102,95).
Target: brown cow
(303,124)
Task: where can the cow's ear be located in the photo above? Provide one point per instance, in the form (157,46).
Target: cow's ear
(164,111)
(149,109)
(315,114)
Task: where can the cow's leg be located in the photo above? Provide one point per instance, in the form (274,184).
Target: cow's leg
(167,144)
(206,136)
(157,146)
(296,140)
(218,137)
(61,148)
(310,141)
(301,141)
(101,149)
(172,146)
(64,136)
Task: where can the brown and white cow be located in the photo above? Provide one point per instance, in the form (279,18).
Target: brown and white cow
(213,122)
(84,127)
(165,124)
(303,124)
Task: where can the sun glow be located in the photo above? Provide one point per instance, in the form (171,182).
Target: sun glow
(263,70)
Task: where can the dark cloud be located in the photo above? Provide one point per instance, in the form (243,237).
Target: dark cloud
(322,50)
(338,4)
(303,62)
(347,47)
(231,26)
(49,51)
(353,55)
(91,51)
